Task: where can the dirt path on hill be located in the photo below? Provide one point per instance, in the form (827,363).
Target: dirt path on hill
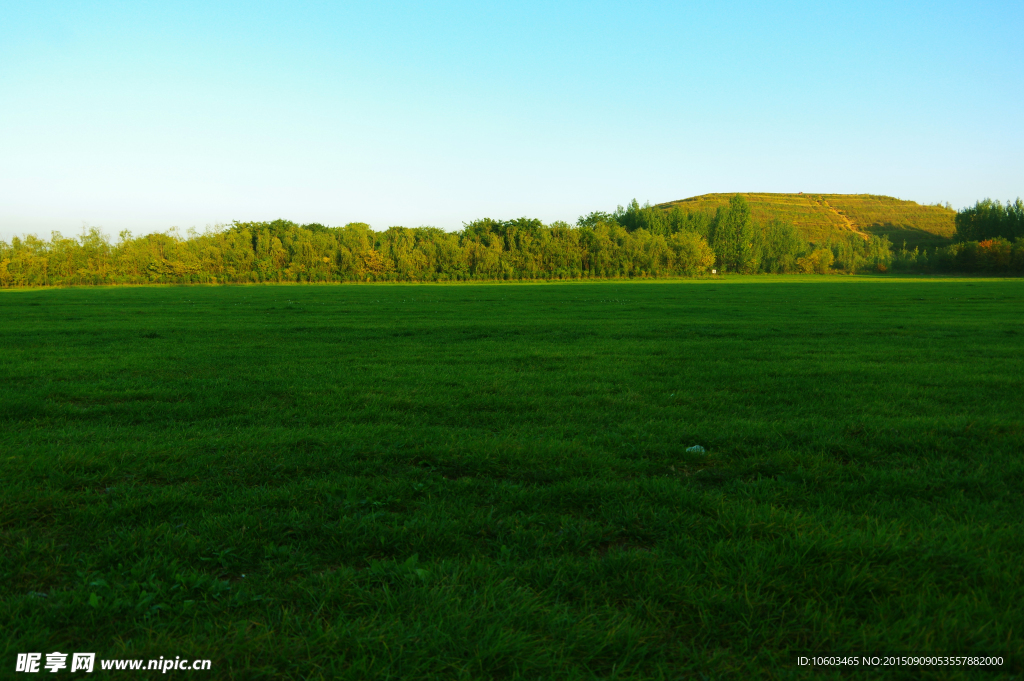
(850,224)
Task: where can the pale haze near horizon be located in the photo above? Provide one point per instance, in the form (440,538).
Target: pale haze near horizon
(144,116)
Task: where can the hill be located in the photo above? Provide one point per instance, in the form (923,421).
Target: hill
(817,216)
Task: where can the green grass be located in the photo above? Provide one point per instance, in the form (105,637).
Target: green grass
(491,481)
(820,216)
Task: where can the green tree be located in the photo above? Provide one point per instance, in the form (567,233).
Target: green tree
(989,219)
(734,238)
(782,246)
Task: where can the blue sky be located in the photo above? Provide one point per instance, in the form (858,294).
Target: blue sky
(146,115)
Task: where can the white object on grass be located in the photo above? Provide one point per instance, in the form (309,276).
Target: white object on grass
(696,449)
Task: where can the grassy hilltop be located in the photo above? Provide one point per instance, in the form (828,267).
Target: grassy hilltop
(817,216)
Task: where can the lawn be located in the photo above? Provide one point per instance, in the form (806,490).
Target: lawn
(492,481)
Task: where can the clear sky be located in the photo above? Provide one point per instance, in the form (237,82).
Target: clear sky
(146,115)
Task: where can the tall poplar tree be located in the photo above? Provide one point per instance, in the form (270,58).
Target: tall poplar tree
(734,238)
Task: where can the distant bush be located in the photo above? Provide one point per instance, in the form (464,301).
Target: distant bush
(818,262)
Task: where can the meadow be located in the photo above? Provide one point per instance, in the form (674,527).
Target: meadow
(477,481)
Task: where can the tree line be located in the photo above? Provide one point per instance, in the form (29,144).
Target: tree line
(634,241)
(988,256)
(989,219)
(989,240)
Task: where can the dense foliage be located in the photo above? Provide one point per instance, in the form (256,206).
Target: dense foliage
(990,219)
(635,241)
(990,240)
(991,256)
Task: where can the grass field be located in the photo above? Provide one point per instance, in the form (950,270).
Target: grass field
(491,481)
(820,216)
